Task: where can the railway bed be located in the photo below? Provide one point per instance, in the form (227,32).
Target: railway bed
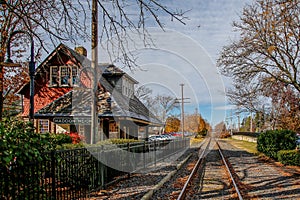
(255,178)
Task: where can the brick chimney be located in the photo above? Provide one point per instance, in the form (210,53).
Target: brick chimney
(81,50)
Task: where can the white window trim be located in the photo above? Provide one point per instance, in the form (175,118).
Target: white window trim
(53,85)
(39,128)
(70,84)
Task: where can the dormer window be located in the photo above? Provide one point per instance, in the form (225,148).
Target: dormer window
(127,87)
(63,76)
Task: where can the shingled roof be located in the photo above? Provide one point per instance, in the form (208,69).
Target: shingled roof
(78,103)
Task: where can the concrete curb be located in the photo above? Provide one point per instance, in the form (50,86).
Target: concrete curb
(149,194)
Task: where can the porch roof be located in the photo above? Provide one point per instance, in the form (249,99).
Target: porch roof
(77,103)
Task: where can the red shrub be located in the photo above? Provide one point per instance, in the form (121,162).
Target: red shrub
(76,137)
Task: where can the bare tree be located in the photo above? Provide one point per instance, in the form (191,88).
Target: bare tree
(160,105)
(220,129)
(46,22)
(163,105)
(267,52)
(268,46)
(53,21)
(143,93)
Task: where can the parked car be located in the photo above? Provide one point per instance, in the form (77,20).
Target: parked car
(161,137)
(155,138)
(168,136)
(177,134)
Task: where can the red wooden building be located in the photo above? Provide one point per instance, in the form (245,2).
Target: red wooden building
(62,98)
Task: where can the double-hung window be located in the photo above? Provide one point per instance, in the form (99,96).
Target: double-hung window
(63,76)
(43,125)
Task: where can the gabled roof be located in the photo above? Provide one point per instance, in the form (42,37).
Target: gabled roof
(78,103)
(78,59)
(61,48)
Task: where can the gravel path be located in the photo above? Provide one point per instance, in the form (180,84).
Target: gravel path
(261,179)
(172,188)
(140,183)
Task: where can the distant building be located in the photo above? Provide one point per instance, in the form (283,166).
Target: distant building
(63,100)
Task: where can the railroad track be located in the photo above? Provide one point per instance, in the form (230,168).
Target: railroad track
(212,177)
(203,178)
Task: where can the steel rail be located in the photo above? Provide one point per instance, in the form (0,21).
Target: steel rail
(191,176)
(231,176)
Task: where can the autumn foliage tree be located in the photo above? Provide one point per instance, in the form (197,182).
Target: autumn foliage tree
(266,53)
(172,125)
(221,130)
(194,123)
(286,107)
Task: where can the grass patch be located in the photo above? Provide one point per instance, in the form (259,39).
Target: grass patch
(245,145)
(195,141)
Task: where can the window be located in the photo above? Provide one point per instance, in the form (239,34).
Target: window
(81,129)
(43,125)
(74,75)
(113,127)
(127,87)
(64,76)
(54,76)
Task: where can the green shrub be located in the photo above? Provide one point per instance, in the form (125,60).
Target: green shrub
(272,141)
(19,142)
(202,133)
(61,138)
(71,146)
(117,141)
(289,157)
(21,150)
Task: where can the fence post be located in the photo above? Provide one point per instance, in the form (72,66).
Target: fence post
(53,165)
(102,167)
(128,159)
(144,154)
(155,153)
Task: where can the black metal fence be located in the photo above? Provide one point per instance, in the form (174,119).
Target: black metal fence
(73,174)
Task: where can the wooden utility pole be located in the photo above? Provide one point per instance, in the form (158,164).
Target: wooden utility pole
(251,123)
(94,64)
(182,110)
(231,126)
(239,122)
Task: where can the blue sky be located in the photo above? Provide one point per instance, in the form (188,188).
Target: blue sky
(187,54)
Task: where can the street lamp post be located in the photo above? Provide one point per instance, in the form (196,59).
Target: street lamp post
(9,62)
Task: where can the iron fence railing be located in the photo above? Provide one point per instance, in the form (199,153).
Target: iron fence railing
(74,173)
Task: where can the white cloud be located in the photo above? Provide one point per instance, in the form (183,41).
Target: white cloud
(226,107)
(187,54)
